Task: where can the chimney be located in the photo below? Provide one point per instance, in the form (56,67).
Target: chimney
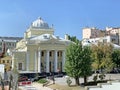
(66,37)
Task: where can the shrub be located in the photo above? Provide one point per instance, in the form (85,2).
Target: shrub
(42,81)
(102,76)
(68,81)
(95,78)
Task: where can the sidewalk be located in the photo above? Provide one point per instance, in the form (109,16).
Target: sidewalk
(40,86)
(35,85)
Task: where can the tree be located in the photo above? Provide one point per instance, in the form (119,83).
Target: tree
(77,61)
(102,56)
(73,38)
(2,82)
(116,58)
(86,63)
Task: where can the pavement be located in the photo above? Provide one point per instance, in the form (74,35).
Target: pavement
(62,81)
(34,86)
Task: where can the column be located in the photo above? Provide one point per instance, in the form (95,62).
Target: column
(55,61)
(39,61)
(13,61)
(47,61)
(35,62)
(63,60)
(27,61)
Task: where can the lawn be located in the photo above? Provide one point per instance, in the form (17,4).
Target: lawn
(65,87)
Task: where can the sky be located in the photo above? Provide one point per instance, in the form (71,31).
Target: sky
(67,16)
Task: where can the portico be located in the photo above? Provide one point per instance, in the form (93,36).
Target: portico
(50,61)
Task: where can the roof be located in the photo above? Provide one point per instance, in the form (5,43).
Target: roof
(39,23)
(46,37)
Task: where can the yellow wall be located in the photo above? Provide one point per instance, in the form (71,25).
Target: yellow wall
(37,32)
(7,61)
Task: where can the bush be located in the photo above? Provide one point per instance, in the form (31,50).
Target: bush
(42,81)
(102,76)
(68,81)
(95,78)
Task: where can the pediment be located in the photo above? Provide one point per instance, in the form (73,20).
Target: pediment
(54,41)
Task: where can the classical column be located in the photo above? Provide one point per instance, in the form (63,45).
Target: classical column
(35,62)
(27,60)
(55,61)
(47,61)
(63,60)
(13,61)
(39,61)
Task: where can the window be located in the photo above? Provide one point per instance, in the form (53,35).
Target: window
(113,40)
(104,40)
(19,66)
(58,54)
(42,53)
(50,53)
(7,61)
(3,61)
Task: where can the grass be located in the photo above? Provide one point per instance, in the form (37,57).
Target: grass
(65,87)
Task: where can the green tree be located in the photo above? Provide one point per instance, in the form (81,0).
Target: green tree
(2,82)
(73,38)
(102,56)
(86,63)
(116,58)
(77,61)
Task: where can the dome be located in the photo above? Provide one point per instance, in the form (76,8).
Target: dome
(39,23)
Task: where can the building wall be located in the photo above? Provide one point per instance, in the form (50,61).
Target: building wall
(92,33)
(10,42)
(19,57)
(7,61)
(36,32)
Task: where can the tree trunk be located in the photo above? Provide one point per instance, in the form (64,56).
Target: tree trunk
(85,80)
(77,80)
(10,85)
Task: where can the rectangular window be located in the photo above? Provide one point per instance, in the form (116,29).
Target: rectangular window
(104,40)
(58,53)
(50,54)
(42,53)
(19,66)
(3,61)
(7,61)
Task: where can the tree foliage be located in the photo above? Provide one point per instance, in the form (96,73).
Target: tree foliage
(116,58)
(78,61)
(73,38)
(72,64)
(86,63)
(102,56)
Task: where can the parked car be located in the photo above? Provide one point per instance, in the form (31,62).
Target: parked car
(22,78)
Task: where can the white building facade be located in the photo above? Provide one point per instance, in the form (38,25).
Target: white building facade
(40,50)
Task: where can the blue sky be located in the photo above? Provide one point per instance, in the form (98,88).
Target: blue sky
(67,16)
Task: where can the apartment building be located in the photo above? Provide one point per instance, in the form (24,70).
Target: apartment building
(92,32)
(10,42)
(112,33)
